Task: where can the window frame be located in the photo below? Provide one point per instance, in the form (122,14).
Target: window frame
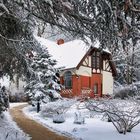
(96,60)
(68,80)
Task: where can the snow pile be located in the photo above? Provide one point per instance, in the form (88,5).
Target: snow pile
(9,130)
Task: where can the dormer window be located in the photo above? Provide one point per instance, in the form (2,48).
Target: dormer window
(96,60)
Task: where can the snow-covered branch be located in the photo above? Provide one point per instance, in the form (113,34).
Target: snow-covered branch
(124,115)
(14,40)
(3,8)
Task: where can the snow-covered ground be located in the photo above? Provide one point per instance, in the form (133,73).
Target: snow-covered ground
(16,104)
(8,128)
(93,128)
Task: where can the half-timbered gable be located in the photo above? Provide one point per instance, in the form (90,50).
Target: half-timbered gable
(85,71)
(87,61)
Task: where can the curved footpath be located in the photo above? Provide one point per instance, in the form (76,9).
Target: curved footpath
(31,127)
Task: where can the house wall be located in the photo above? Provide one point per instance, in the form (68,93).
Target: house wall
(96,79)
(84,71)
(107,83)
(85,79)
(106,65)
(81,79)
(83,86)
(82,83)
(76,87)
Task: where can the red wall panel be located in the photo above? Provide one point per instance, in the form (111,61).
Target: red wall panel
(82,82)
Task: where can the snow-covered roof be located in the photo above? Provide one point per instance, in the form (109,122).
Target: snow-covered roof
(67,55)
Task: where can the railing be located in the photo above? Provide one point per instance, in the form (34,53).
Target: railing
(85,93)
(67,92)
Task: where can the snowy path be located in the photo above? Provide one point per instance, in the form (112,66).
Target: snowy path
(34,129)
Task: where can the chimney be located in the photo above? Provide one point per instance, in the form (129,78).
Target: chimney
(60,41)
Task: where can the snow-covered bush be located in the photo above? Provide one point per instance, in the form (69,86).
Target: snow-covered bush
(124,114)
(125,92)
(58,107)
(79,119)
(58,118)
(17,97)
(4,99)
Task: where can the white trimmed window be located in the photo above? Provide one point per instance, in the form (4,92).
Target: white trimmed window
(68,80)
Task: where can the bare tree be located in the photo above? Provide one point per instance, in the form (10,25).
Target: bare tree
(124,114)
(58,107)
(127,63)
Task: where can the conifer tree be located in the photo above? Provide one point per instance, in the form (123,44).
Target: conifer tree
(43,83)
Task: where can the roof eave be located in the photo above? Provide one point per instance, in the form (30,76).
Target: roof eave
(66,69)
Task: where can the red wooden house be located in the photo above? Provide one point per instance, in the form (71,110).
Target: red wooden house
(85,70)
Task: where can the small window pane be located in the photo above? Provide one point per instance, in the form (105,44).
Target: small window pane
(94,62)
(98,53)
(98,62)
